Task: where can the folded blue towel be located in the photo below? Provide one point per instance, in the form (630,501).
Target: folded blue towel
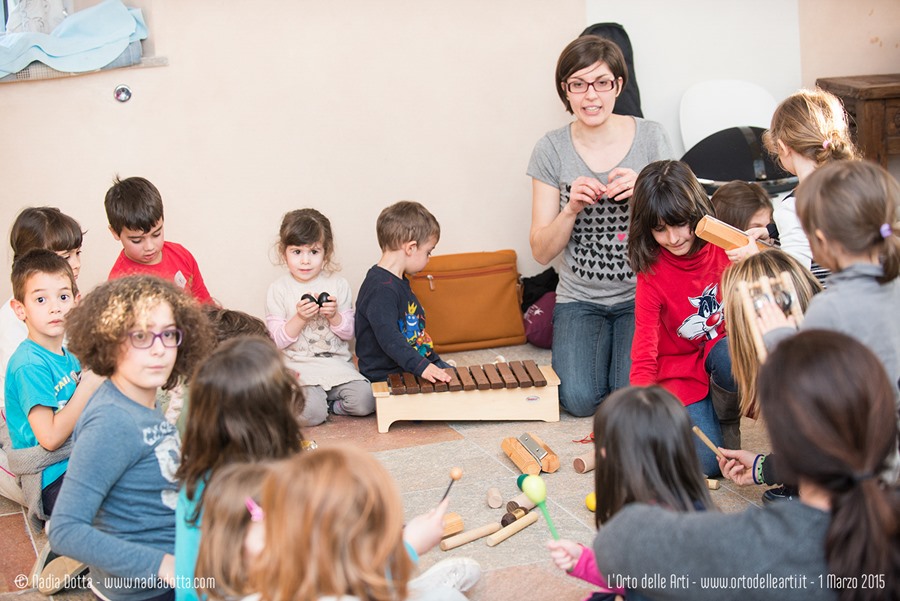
(85,41)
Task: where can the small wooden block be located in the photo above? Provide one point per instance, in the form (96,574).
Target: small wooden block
(465,376)
(409,380)
(550,462)
(494,498)
(395,382)
(481,381)
(536,374)
(524,460)
(585,462)
(441,387)
(521,374)
(453,524)
(509,380)
(425,386)
(723,235)
(493,376)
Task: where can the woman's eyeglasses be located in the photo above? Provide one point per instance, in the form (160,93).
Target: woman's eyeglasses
(580,87)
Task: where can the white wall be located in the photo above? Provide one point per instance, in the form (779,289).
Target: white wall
(350,106)
(346,107)
(677,44)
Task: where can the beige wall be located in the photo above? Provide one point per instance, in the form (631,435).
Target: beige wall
(349,106)
(848,38)
(343,106)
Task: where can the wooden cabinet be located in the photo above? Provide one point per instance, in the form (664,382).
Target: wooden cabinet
(873,103)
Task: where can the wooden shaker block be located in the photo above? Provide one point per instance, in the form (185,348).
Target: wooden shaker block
(453,524)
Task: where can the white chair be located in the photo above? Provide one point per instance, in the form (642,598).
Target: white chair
(711,106)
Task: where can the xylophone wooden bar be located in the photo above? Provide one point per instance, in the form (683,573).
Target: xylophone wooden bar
(493,376)
(481,381)
(474,393)
(412,385)
(465,376)
(509,380)
(536,376)
(395,381)
(521,374)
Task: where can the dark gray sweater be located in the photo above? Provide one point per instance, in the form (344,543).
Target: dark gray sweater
(765,554)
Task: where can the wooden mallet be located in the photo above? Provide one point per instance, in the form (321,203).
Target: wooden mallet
(709,443)
(455,474)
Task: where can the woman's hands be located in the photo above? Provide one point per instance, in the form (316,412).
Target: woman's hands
(621,183)
(586,191)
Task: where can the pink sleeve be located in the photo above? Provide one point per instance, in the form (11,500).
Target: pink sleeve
(644,366)
(586,569)
(344,330)
(275,325)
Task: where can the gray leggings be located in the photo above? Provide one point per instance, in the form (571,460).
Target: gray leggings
(352,398)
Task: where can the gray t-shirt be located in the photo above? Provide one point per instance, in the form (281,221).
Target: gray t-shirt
(595,264)
(116,508)
(774,553)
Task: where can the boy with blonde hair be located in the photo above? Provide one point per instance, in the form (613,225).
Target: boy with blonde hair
(135,212)
(390,321)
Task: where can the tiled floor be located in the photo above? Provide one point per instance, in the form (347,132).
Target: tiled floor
(420,456)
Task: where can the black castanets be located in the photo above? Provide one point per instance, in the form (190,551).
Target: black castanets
(323,298)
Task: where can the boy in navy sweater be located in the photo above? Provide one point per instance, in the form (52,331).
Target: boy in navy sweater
(390,322)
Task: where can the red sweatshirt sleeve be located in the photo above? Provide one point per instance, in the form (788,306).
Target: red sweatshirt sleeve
(647,324)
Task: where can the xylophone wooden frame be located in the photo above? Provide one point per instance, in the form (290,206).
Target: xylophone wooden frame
(503,404)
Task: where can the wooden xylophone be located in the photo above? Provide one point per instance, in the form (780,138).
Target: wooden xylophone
(518,390)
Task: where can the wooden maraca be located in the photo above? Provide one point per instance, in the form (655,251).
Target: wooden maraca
(455,474)
(535,489)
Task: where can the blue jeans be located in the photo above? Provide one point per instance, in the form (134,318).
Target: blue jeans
(591,352)
(718,366)
(703,414)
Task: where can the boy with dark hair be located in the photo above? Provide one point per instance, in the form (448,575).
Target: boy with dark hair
(390,322)
(43,395)
(134,210)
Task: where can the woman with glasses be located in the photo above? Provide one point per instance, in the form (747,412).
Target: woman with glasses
(583,176)
(116,509)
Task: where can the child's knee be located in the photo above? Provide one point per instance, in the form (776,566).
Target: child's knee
(356,398)
(315,407)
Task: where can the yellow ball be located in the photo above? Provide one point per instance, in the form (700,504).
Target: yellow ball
(590,502)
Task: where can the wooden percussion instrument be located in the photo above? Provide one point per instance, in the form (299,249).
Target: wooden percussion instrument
(778,290)
(518,390)
(723,235)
